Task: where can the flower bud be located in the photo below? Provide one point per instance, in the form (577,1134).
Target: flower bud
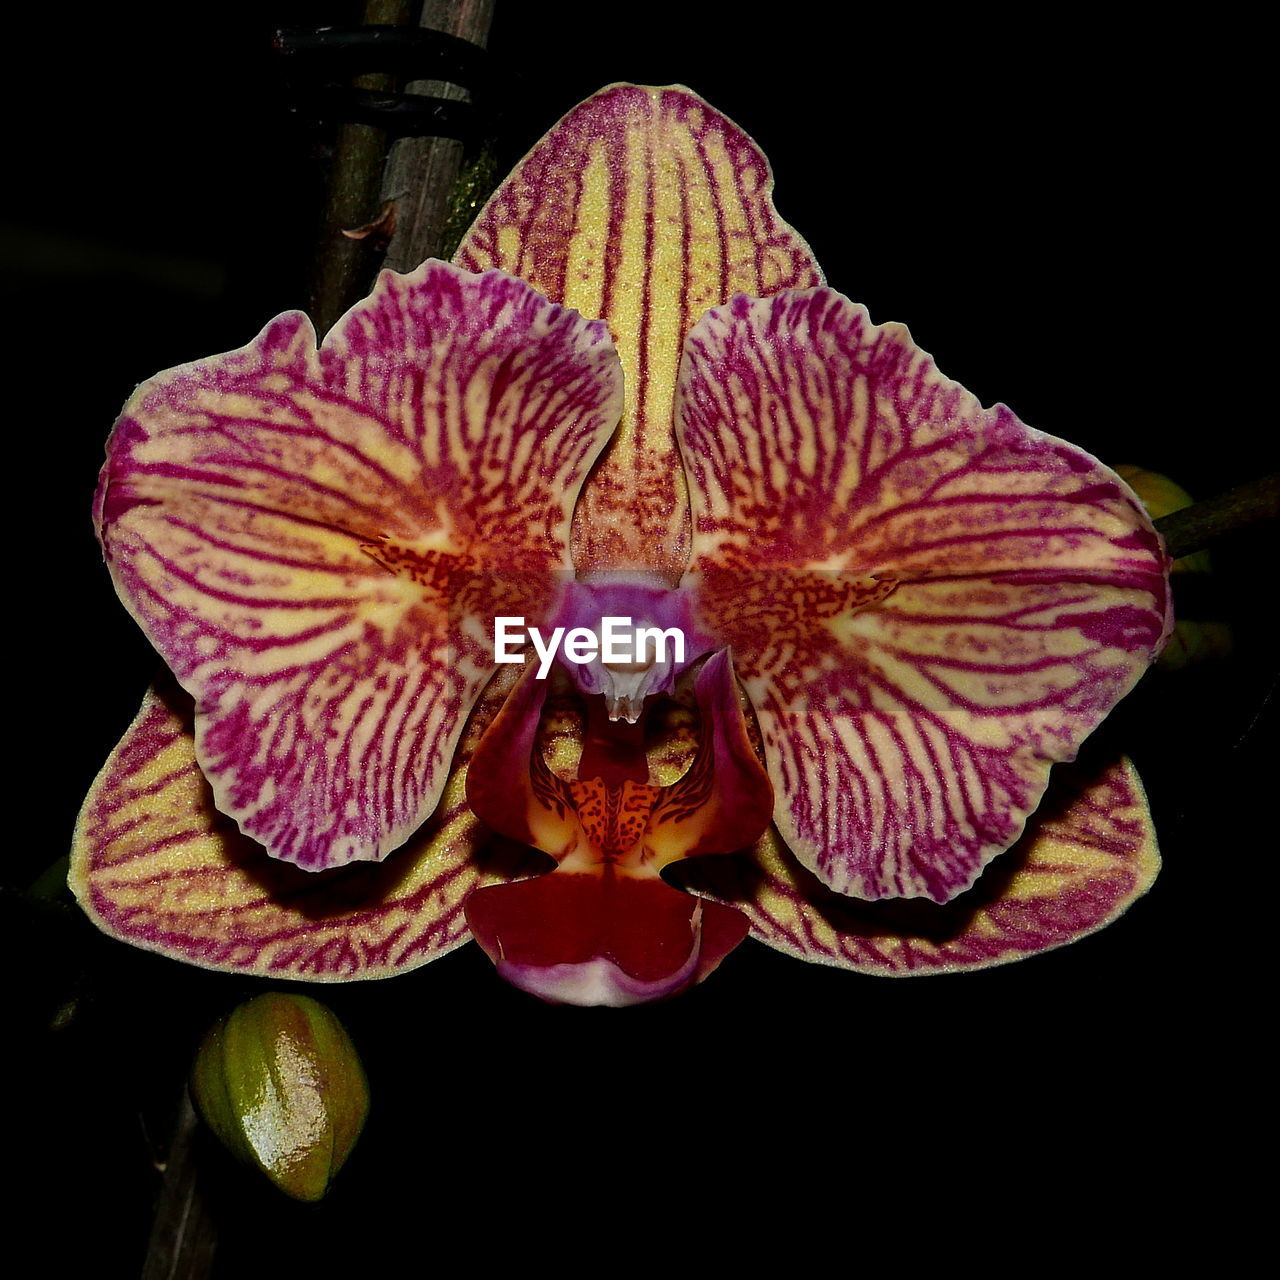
(281,1084)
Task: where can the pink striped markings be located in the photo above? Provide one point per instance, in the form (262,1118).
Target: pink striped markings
(156,865)
(643,207)
(928,602)
(317,542)
(1087,854)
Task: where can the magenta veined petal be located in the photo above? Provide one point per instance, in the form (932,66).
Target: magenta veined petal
(154,864)
(317,542)
(643,206)
(1086,856)
(929,603)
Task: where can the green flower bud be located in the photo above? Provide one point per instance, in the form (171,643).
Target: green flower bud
(281,1084)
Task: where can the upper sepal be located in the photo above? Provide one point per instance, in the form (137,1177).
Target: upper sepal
(643,206)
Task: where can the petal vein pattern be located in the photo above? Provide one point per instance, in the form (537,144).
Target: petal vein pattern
(317,542)
(928,602)
(1087,854)
(154,864)
(643,206)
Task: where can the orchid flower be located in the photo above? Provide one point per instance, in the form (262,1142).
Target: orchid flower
(900,610)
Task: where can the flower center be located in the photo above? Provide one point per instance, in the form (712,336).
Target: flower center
(645,639)
(654,656)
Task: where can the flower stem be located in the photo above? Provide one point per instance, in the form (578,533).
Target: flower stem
(343,264)
(1198,526)
(183,1235)
(409,197)
(421,172)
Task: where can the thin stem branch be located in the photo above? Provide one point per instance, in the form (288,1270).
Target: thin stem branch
(183,1236)
(1197,527)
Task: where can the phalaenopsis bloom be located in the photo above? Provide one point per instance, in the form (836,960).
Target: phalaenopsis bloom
(630,398)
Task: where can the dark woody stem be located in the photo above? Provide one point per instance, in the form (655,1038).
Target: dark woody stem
(183,1236)
(344,265)
(401,206)
(1199,526)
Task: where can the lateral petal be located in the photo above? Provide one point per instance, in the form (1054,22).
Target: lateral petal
(318,542)
(156,865)
(644,207)
(952,600)
(1086,856)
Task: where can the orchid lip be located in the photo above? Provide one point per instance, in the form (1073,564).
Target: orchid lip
(597,982)
(603,927)
(601,937)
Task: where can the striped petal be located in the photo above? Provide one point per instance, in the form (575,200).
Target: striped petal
(156,865)
(317,542)
(1086,856)
(928,602)
(643,207)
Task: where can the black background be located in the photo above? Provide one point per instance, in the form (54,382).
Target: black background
(1062,211)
